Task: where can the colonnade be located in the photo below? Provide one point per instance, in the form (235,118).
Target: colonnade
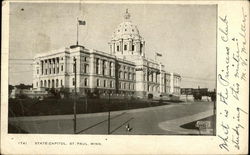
(50,66)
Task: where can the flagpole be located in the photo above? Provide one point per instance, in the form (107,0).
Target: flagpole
(77,31)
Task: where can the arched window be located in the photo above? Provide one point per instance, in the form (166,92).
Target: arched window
(41,83)
(49,83)
(45,83)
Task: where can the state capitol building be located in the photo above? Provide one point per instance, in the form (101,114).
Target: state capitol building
(124,70)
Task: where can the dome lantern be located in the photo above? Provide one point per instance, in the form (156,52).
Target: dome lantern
(126,15)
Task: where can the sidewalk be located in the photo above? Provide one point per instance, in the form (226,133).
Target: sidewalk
(174,125)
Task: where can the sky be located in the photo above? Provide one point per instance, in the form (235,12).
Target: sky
(185,35)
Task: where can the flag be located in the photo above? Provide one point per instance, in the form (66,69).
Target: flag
(81,22)
(158,54)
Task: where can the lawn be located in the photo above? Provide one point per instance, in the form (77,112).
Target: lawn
(35,107)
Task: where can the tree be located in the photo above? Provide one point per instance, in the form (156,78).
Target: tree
(10,89)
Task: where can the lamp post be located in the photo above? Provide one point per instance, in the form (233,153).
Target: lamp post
(74,108)
(109,114)
(214,130)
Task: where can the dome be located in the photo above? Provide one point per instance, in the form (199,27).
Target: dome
(126,30)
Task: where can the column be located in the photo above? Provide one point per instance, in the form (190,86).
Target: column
(160,79)
(143,49)
(100,66)
(113,46)
(50,67)
(130,45)
(121,46)
(138,48)
(92,64)
(41,67)
(54,66)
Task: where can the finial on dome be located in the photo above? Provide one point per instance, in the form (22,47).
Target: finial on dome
(126,15)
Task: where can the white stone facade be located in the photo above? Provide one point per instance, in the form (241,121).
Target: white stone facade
(123,70)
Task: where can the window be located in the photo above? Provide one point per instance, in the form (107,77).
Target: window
(37,84)
(45,83)
(117,48)
(125,47)
(124,86)
(98,82)
(37,71)
(120,74)
(110,68)
(73,81)
(85,82)
(57,70)
(86,68)
(41,84)
(103,67)
(85,58)
(111,84)
(56,82)
(97,66)
(46,72)
(61,83)
(129,76)
(133,47)
(61,67)
(104,83)
(125,75)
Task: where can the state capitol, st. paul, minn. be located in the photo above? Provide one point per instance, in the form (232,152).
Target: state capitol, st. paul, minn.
(123,71)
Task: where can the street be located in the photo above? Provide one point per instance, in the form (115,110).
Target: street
(153,120)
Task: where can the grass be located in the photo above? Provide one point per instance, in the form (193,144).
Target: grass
(34,107)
